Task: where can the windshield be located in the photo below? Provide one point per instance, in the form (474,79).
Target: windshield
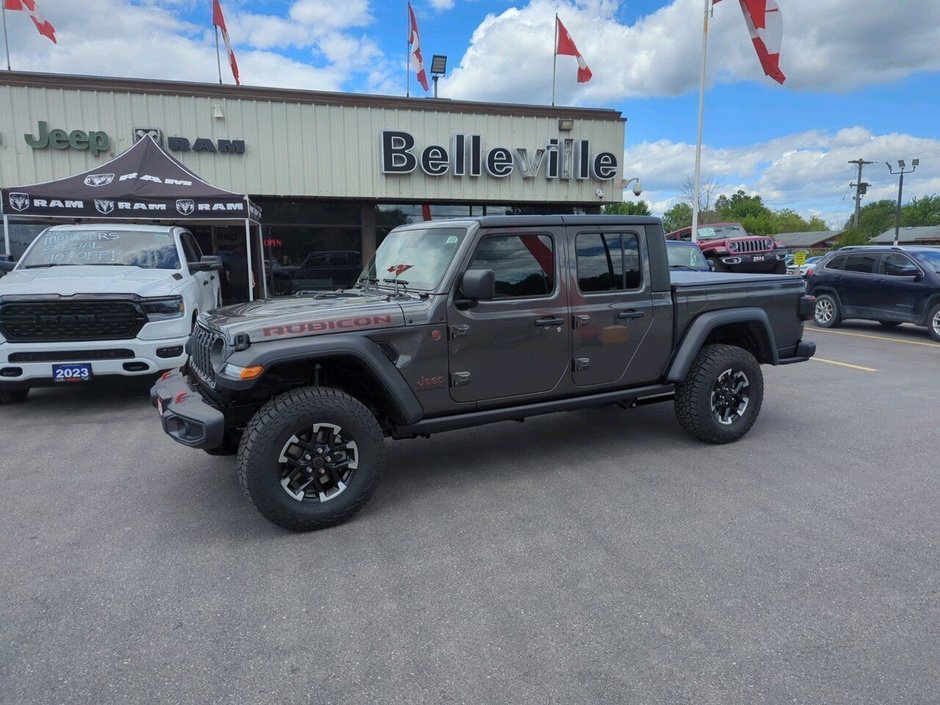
(931,260)
(135,248)
(720,232)
(417,258)
(687,256)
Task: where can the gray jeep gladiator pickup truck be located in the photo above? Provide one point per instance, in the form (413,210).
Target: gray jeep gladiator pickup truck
(459,323)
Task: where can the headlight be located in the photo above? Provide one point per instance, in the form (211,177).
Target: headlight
(164,308)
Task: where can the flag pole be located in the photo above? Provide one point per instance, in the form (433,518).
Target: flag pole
(6,41)
(701,112)
(408,52)
(554,58)
(218,59)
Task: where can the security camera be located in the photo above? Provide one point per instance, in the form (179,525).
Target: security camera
(637,188)
(599,192)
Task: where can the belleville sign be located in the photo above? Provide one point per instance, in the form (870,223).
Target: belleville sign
(562,158)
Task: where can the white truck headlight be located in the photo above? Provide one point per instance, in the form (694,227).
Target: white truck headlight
(163,308)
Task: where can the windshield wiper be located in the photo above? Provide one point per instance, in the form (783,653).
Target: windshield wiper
(367,280)
(396,282)
(48,264)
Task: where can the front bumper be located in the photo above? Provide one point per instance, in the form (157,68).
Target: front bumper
(30,364)
(186,418)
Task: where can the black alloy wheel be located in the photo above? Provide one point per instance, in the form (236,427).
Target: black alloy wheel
(720,398)
(310,458)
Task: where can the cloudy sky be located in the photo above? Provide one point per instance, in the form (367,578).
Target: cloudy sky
(863,79)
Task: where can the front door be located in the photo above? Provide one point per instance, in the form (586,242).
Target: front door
(899,288)
(857,285)
(611,305)
(517,344)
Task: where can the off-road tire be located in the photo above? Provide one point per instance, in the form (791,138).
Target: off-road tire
(696,394)
(275,424)
(890,324)
(933,322)
(13,396)
(780,267)
(826,311)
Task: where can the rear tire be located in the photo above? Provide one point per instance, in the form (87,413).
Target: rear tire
(310,458)
(13,396)
(826,312)
(720,397)
(933,322)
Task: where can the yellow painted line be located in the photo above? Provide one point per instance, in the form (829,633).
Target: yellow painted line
(875,337)
(844,364)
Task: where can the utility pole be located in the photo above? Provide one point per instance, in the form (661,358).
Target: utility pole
(860,187)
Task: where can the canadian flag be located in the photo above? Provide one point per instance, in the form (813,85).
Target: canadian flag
(565,46)
(43,26)
(219,21)
(414,41)
(765,24)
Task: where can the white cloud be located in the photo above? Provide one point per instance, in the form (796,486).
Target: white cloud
(827,45)
(808,172)
(441,5)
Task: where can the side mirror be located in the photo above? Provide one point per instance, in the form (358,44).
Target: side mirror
(478,285)
(6,263)
(208,263)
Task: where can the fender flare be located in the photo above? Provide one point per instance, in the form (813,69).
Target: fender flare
(405,404)
(702,326)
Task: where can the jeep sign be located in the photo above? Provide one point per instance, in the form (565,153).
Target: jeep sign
(558,159)
(94,141)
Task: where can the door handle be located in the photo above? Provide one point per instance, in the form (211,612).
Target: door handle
(626,315)
(550,321)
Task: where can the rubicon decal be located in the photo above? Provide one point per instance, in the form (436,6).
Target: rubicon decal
(321,326)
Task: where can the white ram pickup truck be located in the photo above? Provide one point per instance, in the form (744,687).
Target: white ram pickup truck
(86,301)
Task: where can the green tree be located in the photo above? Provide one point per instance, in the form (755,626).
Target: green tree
(628,208)
(921,211)
(679,216)
(789,221)
(874,218)
(852,237)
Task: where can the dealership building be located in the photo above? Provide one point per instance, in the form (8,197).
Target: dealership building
(332,173)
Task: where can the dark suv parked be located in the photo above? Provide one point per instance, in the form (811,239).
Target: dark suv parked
(891,285)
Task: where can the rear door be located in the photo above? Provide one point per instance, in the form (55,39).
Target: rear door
(611,303)
(517,344)
(856,285)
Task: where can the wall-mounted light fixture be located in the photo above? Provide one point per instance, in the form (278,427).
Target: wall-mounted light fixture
(217,111)
(565,124)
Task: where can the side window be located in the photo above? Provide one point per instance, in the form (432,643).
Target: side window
(191,248)
(608,262)
(836,263)
(861,263)
(524,264)
(895,265)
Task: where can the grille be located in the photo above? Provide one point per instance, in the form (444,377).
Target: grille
(757,244)
(62,321)
(200,353)
(77,355)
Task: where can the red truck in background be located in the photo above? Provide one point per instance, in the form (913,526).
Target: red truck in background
(732,249)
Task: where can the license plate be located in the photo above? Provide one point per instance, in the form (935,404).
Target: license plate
(758,258)
(72,373)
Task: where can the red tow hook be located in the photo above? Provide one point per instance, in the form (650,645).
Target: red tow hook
(181,397)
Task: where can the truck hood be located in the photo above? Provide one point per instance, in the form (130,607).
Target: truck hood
(94,279)
(297,316)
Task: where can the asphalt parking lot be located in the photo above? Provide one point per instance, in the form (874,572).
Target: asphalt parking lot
(599,556)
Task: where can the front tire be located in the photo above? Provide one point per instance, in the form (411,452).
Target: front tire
(310,458)
(720,397)
(826,312)
(13,396)
(780,267)
(933,322)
